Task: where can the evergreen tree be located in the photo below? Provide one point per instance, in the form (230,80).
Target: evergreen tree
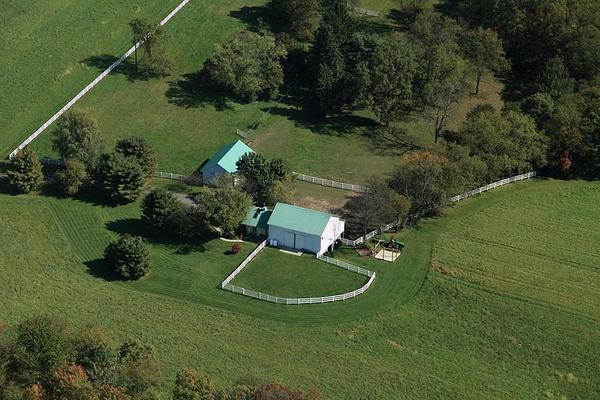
(25,171)
(329,57)
(555,79)
(121,178)
(160,210)
(141,150)
(128,256)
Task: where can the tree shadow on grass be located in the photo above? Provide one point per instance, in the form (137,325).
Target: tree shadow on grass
(193,91)
(126,68)
(392,141)
(255,17)
(339,125)
(99,269)
(136,227)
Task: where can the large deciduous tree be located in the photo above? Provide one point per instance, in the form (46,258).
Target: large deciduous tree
(248,66)
(299,17)
(77,137)
(484,50)
(155,59)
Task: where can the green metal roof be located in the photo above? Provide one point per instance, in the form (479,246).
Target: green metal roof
(257,217)
(302,220)
(227,156)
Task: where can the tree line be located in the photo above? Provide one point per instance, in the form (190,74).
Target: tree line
(47,358)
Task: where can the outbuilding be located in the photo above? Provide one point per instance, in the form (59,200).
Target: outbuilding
(224,161)
(257,221)
(303,229)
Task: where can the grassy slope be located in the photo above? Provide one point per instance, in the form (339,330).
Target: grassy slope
(43,46)
(415,334)
(284,275)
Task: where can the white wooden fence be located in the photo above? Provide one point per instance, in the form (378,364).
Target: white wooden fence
(330,183)
(367,12)
(493,185)
(89,87)
(455,199)
(243,264)
(169,175)
(226,285)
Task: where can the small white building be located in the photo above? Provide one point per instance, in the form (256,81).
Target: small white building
(303,229)
(224,161)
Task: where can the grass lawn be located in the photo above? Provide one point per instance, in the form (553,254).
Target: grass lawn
(320,197)
(509,310)
(284,275)
(44,45)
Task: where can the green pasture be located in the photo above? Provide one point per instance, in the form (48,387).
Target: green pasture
(285,275)
(495,300)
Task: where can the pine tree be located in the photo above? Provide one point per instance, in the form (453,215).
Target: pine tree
(25,171)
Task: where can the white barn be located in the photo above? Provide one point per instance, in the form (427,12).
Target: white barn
(303,229)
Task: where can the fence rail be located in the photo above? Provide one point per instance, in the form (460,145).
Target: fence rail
(366,11)
(169,175)
(345,265)
(243,264)
(89,87)
(493,185)
(302,300)
(329,183)
(454,199)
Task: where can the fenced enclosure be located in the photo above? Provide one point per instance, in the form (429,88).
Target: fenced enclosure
(329,183)
(226,285)
(90,86)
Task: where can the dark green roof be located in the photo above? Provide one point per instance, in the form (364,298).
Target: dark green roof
(298,219)
(228,156)
(257,217)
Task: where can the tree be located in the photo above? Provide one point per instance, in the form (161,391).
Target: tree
(225,205)
(139,148)
(484,50)
(25,171)
(248,66)
(160,211)
(446,86)
(191,385)
(152,37)
(77,137)
(261,177)
(329,59)
(540,106)
(128,257)
(555,79)
(192,223)
(379,206)
(299,17)
(391,73)
(139,369)
(73,383)
(121,178)
(509,143)
(421,177)
(72,177)
(41,346)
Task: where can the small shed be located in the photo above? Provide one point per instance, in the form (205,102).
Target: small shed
(303,229)
(224,161)
(256,222)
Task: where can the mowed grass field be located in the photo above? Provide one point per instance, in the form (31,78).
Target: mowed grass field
(44,44)
(286,275)
(510,308)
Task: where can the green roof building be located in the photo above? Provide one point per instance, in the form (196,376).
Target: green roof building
(257,221)
(224,161)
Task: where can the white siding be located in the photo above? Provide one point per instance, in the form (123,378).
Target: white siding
(308,243)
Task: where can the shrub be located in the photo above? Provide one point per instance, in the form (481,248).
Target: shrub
(236,248)
(128,256)
(25,171)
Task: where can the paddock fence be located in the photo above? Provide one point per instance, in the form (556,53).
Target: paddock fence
(90,86)
(243,264)
(366,11)
(330,183)
(493,185)
(454,199)
(226,285)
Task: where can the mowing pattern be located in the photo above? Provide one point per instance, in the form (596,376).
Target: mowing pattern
(542,247)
